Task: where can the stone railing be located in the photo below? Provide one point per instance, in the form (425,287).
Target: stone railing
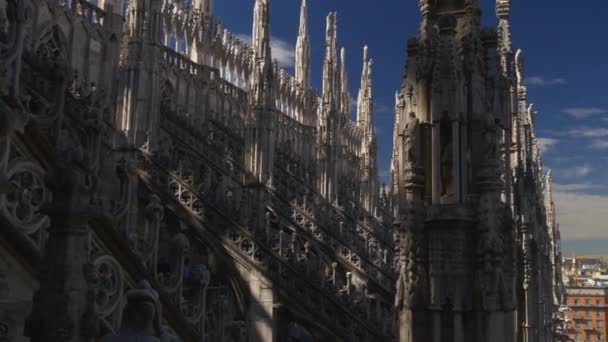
(286,267)
(85,10)
(354,238)
(182,62)
(334,215)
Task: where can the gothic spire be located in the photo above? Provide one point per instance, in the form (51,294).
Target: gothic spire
(365,101)
(262,80)
(519,73)
(549,186)
(303,49)
(261,29)
(330,65)
(344,93)
(503,12)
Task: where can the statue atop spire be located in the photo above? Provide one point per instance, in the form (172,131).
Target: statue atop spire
(303,49)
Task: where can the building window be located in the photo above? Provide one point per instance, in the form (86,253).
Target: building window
(575,301)
(587,301)
(599,324)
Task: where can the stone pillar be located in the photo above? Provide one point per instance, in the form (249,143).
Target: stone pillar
(63,307)
(436,163)
(456,160)
(508,171)
(412,287)
(464,163)
(436,325)
(493,249)
(458,326)
(262,312)
(112,25)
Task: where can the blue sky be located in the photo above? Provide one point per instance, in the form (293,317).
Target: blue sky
(566,54)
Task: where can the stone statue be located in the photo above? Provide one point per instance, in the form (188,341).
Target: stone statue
(410,137)
(141,317)
(488,132)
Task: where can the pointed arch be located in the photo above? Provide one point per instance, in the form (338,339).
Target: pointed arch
(51,44)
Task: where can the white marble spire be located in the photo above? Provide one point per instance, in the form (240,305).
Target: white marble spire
(260,37)
(365,105)
(330,65)
(344,93)
(204,6)
(263,78)
(503,12)
(303,49)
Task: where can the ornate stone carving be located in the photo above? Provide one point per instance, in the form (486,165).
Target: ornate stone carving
(109,285)
(411,139)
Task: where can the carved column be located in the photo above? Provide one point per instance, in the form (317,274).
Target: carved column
(494,242)
(263,310)
(436,163)
(411,299)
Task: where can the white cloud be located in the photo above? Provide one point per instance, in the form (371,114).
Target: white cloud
(599,144)
(575,187)
(574,172)
(283,51)
(588,132)
(547,144)
(581,216)
(584,112)
(582,171)
(541,81)
(384,109)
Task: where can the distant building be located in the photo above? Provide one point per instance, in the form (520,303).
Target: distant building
(587,315)
(585,271)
